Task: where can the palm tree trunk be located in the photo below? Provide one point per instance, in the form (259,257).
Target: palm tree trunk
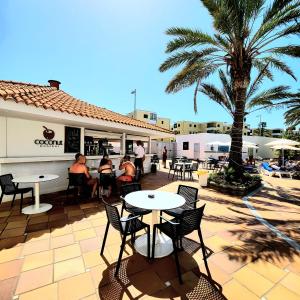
(235,156)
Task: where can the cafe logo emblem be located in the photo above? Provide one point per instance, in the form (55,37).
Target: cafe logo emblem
(49,141)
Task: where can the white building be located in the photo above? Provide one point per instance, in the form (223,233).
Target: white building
(42,127)
(197,146)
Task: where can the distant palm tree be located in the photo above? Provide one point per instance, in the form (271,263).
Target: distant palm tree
(246,38)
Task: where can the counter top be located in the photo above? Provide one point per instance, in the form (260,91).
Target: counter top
(10,160)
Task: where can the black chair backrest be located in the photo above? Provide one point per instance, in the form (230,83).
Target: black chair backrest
(190,220)
(7,186)
(113,216)
(76,179)
(195,166)
(189,193)
(129,188)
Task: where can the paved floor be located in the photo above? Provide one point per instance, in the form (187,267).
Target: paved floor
(55,255)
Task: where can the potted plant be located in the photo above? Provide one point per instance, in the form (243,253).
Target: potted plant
(203,177)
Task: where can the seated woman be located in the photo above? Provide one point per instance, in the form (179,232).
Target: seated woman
(106,175)
(79,167)
(129,168)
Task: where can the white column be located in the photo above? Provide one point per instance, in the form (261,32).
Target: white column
(149,145)
(123,145)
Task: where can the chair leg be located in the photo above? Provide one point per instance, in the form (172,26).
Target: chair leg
(32,196)
(104,239)
(13,200)
(120,255)
(153,241)
(122,209)
(204,253)
(177,262)
(21,203)
(1,197)
(148,242)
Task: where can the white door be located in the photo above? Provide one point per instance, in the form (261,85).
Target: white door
(197,150)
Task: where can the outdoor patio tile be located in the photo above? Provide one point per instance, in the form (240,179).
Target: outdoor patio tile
(7,288)
(73,213)
(234,290)
(16,224)
(100,230)
(146,281)
(90,244)
(100,275)
(167,293)
(16,218)
(10,254)
(295,265)
(66,252)
(4,214)
(68,268)
(37,227)
(34,279)
(99,222)
(38,235)
(91,297)
(217,244)
(35,246)
(11,242)
(93,258)
(216,272)
(81,225)
(84,234)
(67,229)
(253,281)
(37,260)
(61,241)
(280,292)
(48,292)
(223,261)
(8,233)
(268,270)
(38,219)
(57,217)
(292,282)
(76,287)
(10,269)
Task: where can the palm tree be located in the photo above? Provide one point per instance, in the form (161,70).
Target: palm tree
(246,38)
(292,115)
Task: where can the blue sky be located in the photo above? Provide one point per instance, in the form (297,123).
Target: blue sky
(103,49)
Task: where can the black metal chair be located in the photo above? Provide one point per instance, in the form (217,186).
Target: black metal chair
(171,167)
(178,171)
(77,182)
(190,194)
(127,189)
(176,229)
(10,188)
(127,226)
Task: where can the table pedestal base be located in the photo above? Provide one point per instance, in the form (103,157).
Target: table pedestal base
(163,245)
(31,209)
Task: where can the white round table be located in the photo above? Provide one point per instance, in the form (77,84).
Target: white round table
(161,201)
(37,207)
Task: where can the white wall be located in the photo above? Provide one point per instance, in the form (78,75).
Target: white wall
(204,138)
(2,136)
(21,135)
(157,148)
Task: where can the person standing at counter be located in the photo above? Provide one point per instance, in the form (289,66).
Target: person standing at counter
(140,156)
(79,167)
(164,156)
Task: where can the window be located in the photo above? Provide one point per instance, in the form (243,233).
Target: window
(162,122)
(175,125)
(190,125)
(146,116)
(153,116)
(195,125)
(218,125)
(223,148)
(178,125)
(190,132)
(185,146)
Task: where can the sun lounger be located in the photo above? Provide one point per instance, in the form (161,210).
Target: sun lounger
(266,169)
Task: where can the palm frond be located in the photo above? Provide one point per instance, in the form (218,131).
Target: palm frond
(292,50)
(279,65)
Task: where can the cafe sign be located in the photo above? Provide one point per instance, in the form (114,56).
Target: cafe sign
(49,140)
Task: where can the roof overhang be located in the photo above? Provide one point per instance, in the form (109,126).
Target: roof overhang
(20,110)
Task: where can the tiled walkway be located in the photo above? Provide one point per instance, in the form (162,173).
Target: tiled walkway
(55,255)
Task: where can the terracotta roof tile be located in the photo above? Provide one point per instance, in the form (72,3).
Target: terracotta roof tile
(51,98)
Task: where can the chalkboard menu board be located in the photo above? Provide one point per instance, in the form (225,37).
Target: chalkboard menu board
(72,139)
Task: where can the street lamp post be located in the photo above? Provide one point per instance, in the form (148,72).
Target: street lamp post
(134,107)
(260,128)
